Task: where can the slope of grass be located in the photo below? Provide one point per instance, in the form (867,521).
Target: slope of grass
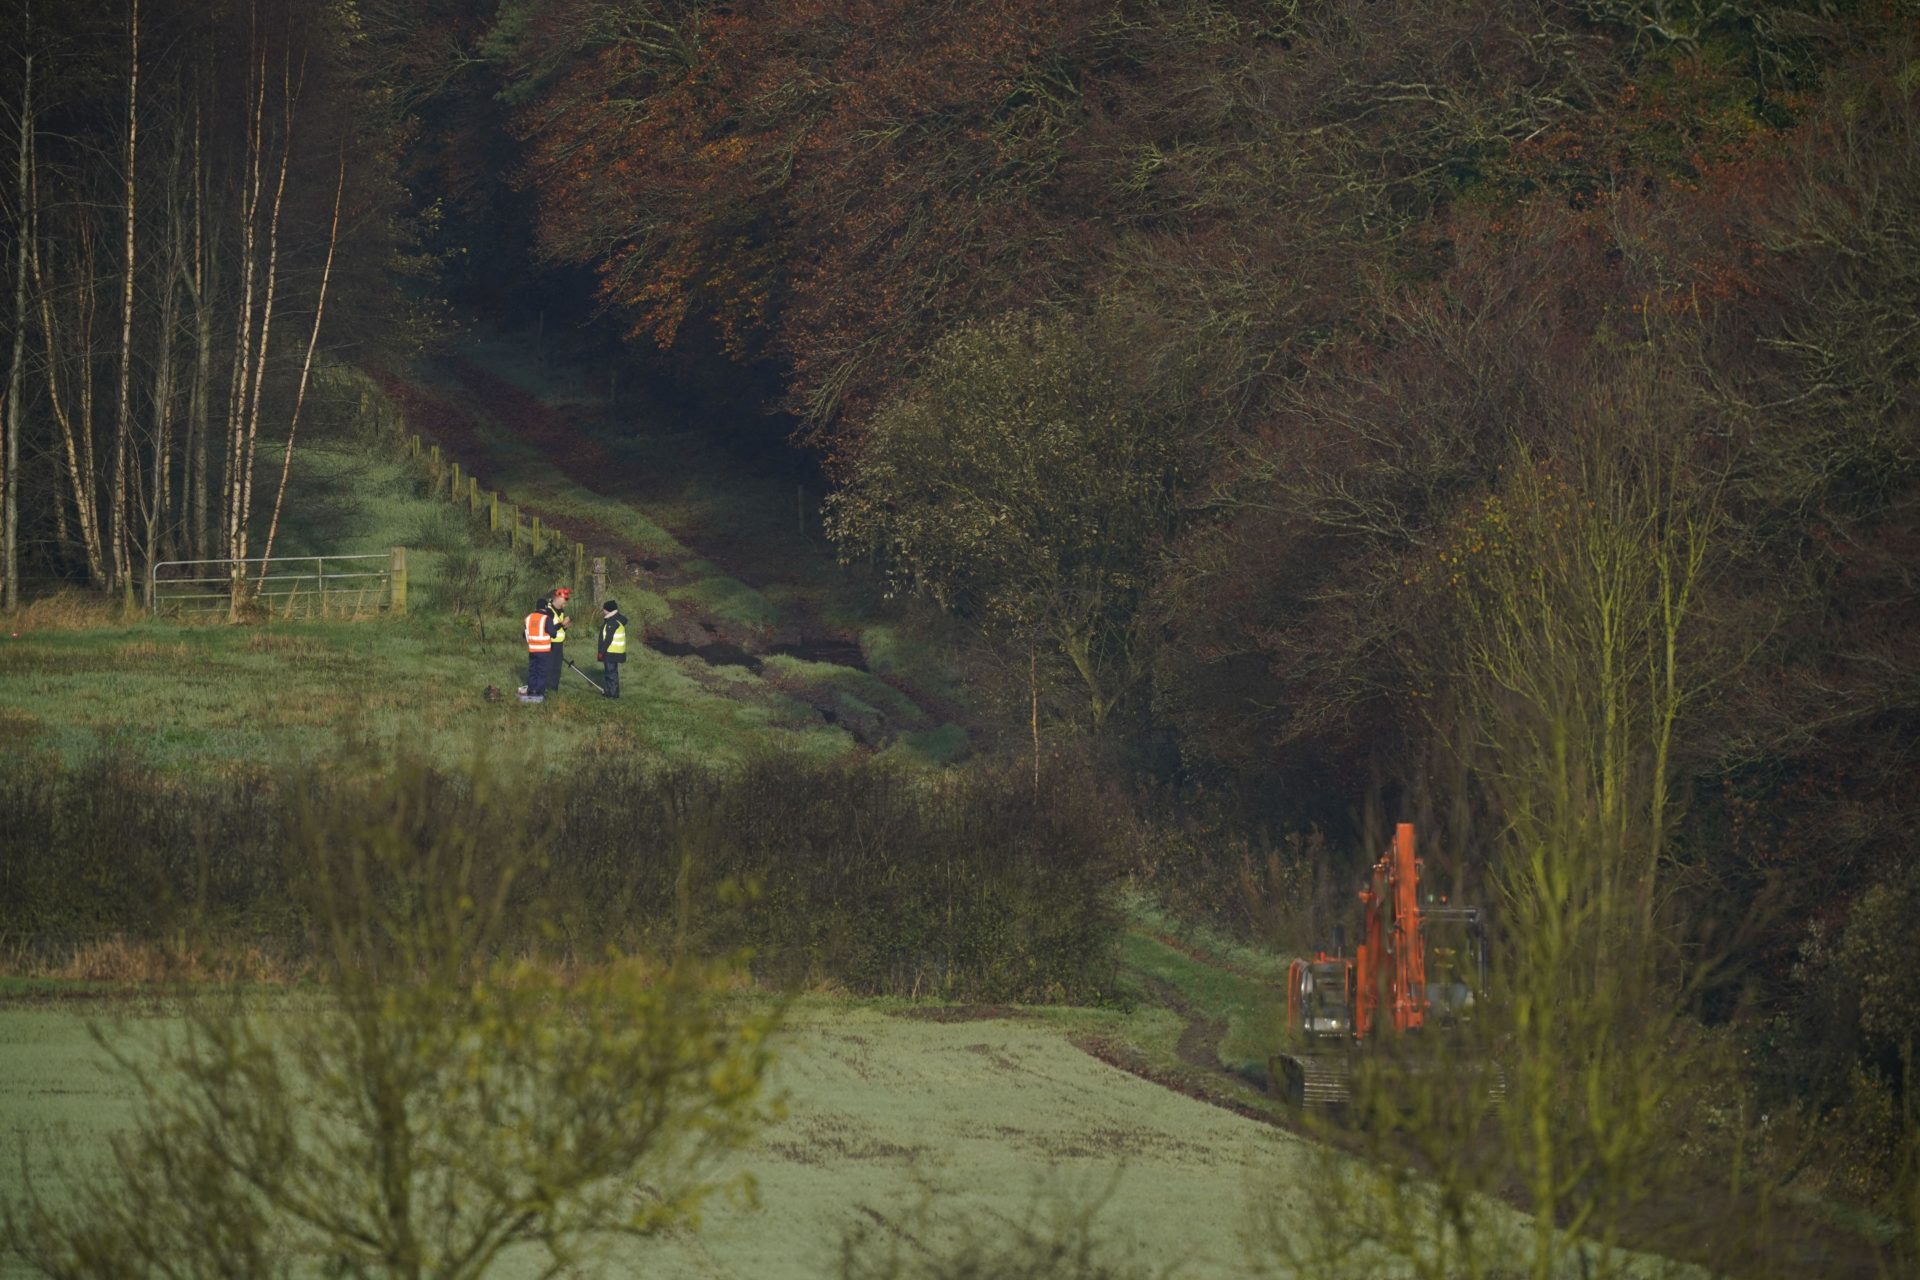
(193,694)
(948,1127)
(737,543)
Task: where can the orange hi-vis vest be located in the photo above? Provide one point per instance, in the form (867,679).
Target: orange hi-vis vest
(538,641)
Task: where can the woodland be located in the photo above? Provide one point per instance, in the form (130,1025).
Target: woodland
(1505,412)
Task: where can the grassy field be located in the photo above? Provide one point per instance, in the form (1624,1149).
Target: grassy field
(930,1126)
(274,694)
(995,1119)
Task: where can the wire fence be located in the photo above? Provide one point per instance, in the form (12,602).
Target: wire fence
(285,586)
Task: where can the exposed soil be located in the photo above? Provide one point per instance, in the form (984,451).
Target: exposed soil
(718,653)
(838,652)
(958,1012)
(1198,1088)
(567,437)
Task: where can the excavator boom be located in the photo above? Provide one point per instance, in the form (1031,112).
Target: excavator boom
(1385,983)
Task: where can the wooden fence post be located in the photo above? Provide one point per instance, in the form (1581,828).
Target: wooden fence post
(453,483)
(433,461)
(599,581)
(537,540)
(473,495)
(493,513)
(513,537)
(397,580)
(413,445)
(579,568)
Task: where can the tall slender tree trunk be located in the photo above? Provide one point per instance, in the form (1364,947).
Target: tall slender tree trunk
(200,282)
(159,504)
(76,437)
(306,365)
(243,335)
(121,534)
(89,475)
(244,510)
(10,500)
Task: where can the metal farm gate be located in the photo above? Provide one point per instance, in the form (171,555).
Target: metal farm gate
(287,586)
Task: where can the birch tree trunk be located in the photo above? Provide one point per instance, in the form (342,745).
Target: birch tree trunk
(75,436)
(243,335)
(243,509)
(306,365)
(159,496)
(200,287)
(10,517)
(120,535)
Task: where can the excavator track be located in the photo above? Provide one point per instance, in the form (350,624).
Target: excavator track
(1326,1080)
(1311,1080)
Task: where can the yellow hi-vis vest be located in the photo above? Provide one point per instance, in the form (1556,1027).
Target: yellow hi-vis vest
(619,642)
(559,625)
(538,641)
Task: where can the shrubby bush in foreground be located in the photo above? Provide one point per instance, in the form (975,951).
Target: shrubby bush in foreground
(973,885)
(435,1109)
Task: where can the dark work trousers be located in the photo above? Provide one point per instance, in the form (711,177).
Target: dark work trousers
(536,673)
(557,667)
(610,677)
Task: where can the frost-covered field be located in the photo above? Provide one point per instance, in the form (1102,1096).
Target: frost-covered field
(924,1131)
(994,1122)
(987,1123)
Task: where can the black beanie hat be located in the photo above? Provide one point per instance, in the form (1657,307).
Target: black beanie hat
(611,606)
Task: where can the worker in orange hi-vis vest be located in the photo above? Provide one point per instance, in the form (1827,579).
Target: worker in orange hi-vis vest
(539,651)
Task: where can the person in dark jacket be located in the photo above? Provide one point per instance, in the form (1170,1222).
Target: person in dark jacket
(557,661)
(613,646)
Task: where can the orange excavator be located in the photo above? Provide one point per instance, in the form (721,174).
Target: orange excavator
(1415,971)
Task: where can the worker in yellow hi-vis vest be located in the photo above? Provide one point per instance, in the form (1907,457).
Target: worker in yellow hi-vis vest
(558,661)
(613,647)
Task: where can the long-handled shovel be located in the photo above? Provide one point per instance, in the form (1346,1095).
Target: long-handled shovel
(584,676)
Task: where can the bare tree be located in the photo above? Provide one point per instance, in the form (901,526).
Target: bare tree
(119,534)
(10,518)
(157,497)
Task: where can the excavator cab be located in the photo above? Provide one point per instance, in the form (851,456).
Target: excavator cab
(1320,997)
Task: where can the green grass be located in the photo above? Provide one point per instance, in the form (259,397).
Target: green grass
(276,693)
(668,488)
(356,497)
(726,600)
(931,748)
(855,692)
(187,694)
(1251,1009)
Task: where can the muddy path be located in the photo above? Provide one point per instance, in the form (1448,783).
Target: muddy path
(744,595)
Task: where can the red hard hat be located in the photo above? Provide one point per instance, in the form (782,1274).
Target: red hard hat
(563,593)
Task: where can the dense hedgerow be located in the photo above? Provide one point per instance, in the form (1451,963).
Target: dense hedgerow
(973,885)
